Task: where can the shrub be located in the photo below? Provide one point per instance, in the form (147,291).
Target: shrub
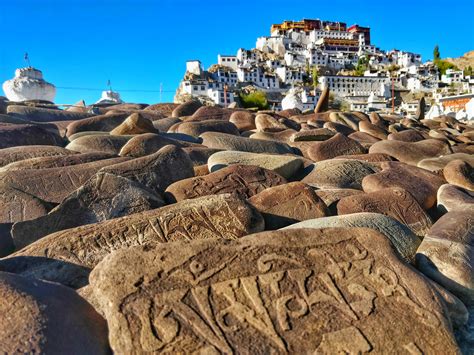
(255,99)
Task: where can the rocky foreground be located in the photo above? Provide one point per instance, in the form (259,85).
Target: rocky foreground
(183,228)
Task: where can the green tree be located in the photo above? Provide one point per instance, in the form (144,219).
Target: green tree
(468,71)
(436,55)
(256,99)
(315,75)
(362,66)
(444,65)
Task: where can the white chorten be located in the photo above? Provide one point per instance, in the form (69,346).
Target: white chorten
(28,84)
(292,100)
(110,97)
(470,109)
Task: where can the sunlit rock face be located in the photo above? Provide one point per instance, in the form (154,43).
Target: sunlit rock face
(110,97)
(28,84)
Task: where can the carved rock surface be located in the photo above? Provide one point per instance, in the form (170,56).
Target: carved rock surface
(339,173)
(446,254)
(195,129)
(409,135)
(12,135)
(149,143)
(286,204)
(259,294)
(242,180)
(17,153)
(452,197)
(332,147)
(224,141)
(101,123)
(186,109)
(104,196)
(98,143)
(38,317)
(134,124)
(20,206)
(39,114)
(393,202)
(460,173)
(403,239)
(438,163)
(243,120)
(286,166)
(267,123)
(68,256)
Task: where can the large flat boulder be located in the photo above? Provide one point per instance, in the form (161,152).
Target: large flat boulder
(12,135)
(99,143)
(39,114)
(17,153)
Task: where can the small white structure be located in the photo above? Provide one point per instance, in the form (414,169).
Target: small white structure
(452,76)
(194,67)
(110,97)
(470,109)
(227,61)
(28,84)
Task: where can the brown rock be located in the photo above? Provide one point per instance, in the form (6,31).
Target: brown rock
(186,109)
(99,143)
(338,128)
(243,120)
(393,202)
(267,123)
(134,124)
(101,123)
(12,135)
(332,147)
(20,206)
(323,101)
(149,143)
(282,136)
(68,256)
(200,156)
(241,180)
(14,154)
(286,204)
(195,129)
(370,157)
(452,198)
(261,293)
(459,173)
(39,114)
(33,321)
(212,113)
(165,109)
(372,129)
(332,196)
(438,163)
(315,134)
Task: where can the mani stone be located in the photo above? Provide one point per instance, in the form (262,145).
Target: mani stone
(338,128)
(101,123)
(164,124)
(242,180)
(323,101)
(411,153)
(149,143)
(332,147)
(460,173)
(224,141)
(282,136)
(369,157)
(14,154)
(212,113)
(39,114)
(393,202)
(155,171)
(195,129)
(286,166)
(452,197)
(134,124)
(402,238)
(446,254)
(68,256)
(373,130)
(186,109)
(409,135)
(20,206)
(55,161)
(200,156)
(38,317)
(421,184)
(12,135)
(339,173)
(103,197)
(315,134)
(98,143)
(332,196)
(327,291)
(438,163)
(54,184)
(267,123)
(243,120)
(286,204)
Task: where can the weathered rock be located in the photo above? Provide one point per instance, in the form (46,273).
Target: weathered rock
(55,161)
(282,136)
(86,133)
(372,129)
(99,143)
(323,101)
(134,124)
(338,128)
(164,124)
(438,163)
(332,147)
(409,152)
(339,173)
(285,166)
(230,142)
(164,108)
(369,157)
(195,129)
(393,202)
(155,171)
(149,143)
(200,156)
(446,254)
(103,197)
(409,135)
(68,256)
(332,196)
(421,184)
(20,206)
(38,114)
(101,123)
(286,204)
(38,317)
(316,134)
(267,123)
(186,109)
(259,294)
(402,238)
(6,242)
(12,135)
(14,154)
(452,197)
(212,113)
(420,110)
(460,173)
(242,180)
(243,120)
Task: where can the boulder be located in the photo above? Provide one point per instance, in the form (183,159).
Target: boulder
(284,165)
(243,120)
(446,254)
(68,256)
(195,129)
(200,156)
(104,196)
(332,196)
(99,143)
(334,146)
(369,157)
(39,114)
(438,163)
(460,173)
(100,123)
(149,143)
(212,113)
(315,134)
(393,202)
(267,123)
(286,204)
(38,317)
(259,294)
(452,197)
(14,154)
(186,109)
(338,128)
(20,206)
(12,135)
(282,136)
(134,124)
(242,180)
(373,130)
(323,102)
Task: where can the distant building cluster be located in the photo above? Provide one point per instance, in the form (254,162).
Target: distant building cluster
(343,59)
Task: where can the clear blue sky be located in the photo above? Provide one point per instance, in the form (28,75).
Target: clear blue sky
(139,44)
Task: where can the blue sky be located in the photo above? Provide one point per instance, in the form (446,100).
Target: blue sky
(140,44)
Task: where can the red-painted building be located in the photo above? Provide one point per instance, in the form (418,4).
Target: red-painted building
(359,29)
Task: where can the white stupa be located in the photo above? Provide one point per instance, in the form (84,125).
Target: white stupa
(28,84)
(110,97)
(292,100)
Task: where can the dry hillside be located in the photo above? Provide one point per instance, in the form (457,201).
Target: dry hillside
(463,62)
